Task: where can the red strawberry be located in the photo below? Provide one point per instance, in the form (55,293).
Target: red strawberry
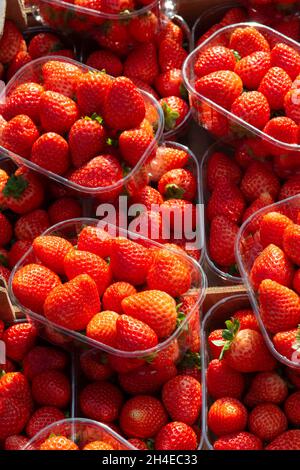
(175,111)
(238,441)
(169,30)
(267,421)
(290,188)
(226,200)
(263,200)
(61,77)
(78,299)
(292,408)
(105,60)
(222,237)
(252,68)
(92,91)
(102,328)
(31,225)
(176,436)
(259,179)
(272,263)
(282,129)
(42,358)
(287,343)
(178,183)
(101,401)
(114,36)
(144,28)
(134,335)
(171,55)
(146,379)
(19,135)
(138,444)
(223,381)
(5,230)
(147,196)
(19,339)
(227,415)
(170,83)
(274,86)
(223,87)
(51,251)
(213,59)
(51,152)
(291,107)
(10,43)
(142,64)
(166,159)
(95,240)
(13,417)
(51,388)
(142,416)
(41,418)
(15,385)
(23,192)
(145,87)
(271,228)
(252,107)
(289,440)
(233,15)
(114,294)
(86,140)
(94,364)
(221,169)
(57,112)
(21,58)
(43,43)
(98,445)
(135,145)
(182,398)
(287,58)
(58,443)
(248,40)
(15,442)
(291,242)
(64,208)
(246,319)
(266,387)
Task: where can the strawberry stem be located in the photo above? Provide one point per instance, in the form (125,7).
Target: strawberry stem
(15,187)
(228,335)
(171,116)
(173,191)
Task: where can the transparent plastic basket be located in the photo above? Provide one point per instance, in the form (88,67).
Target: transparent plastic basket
(215,319)
(202,106)
(81,431)
(247,248)
(134,179)
(183,334)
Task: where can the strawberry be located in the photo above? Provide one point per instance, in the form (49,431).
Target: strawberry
(134,335)
(222,87)
(146,379)
(135,144)
(15,385)
(142,417)
(271,228)
(287,343)
(274,86)
(279,306)
(42,358)
(175,111)
(51,251)
(221,169)
(102,328)
(57,112)
(144,87)
(292,409)
(171,55)
(238,441)
(78,299)
(233,15)
(58,443)
(86,139)
(267,421)
(114,36)
(178,183)
(101,401)
(31,225)
(291,242)
(289,440)
(78,262)
(19,135)
(252,68)
(176,436)
(170,83)
(91,93)
(259,179)
(214,59)
(41,418)
(21,58)
(15,442)
(130,262)
(272,263)
(263,200)
(166,159)
(98,445)
(10,42)
(293,377)
(252,107)
(179,214)
(170,273)
(107,61)
(61,77)
(247,149)
(124,106)
(182,399)
(94,364)
(290,105)
(114,294)
(64,208)
(123,365)
(222,237)
(169,30)
(142,64)
(287,58)
(138,444)
(23,192)
(5,230)
(51,152)
(282,129)
(248,40)
(227,415)
(43,43)
(223,381)
(32,284)
(290,188)
(19,339)
(246,319)
(147,196)
(266,387)
(144,28)
(13,417)
(155,308)
(226,200)
(95,240)
(51,388)
(116,6)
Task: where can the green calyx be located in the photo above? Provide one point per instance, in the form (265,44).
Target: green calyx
(228,335)
(191,360)
(171,116)
(173,191)
(15,187)
(112,142)
(2,373)
(237,56)
(94,117)
(296,345)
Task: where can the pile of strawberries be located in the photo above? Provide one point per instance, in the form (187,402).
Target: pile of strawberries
(253,402)
(35,385)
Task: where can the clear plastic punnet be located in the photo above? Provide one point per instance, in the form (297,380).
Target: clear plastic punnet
(82,432)
(216,119)
(247,249)
(185,335)
(134,178)
(215,319)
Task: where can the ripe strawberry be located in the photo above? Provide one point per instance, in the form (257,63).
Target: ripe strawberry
(94,364)
(147,196)
(175,111)
(246,319)
(105,60)
(182,398)
(290,104)
(146,379)
(247,149)
(124,106)
(142,64)
(221,169)
(51,251)
(263,200)
(78,262)
(170,83)
(10,42)
(138,444)
(178,183)
(78,299)
(292,408)
(130,262)
(23,192)
(166,159)
(272,263)
(226,200)
(176,436)
(142,417)
(233,15)
(31,225)
(32,284)
(274,86)
(19,339)
(282,129)
(259,179)
(123,365)
(43,43)
(214,59)
(98,445)
(114,294)
(95,240)
(290,188)
(287,58)
(287,343)
(291,242)
(114,37)
(227,415)
(266,387)
(279,306)
(272,227)
(248,40)
(144,28)
(41,418)
(169,30)
(223,381)
(15,442)
(102,328)
(51,152)
(19,135)
(91,93)
(58,443)
(289,440)
(145,87)
(293,377)
(155,308)
(267,421)
(171,55)
(86,140)
(252,107)
(13,417)
(5,230)
(21,58)
(134,335)
(64,208)
(42,358)
(57,112)
(238,441)
(252,68)
(15,385)
(61,77)
(101,401)
(222,87)
(134,146)
(51,388)
(222,237)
